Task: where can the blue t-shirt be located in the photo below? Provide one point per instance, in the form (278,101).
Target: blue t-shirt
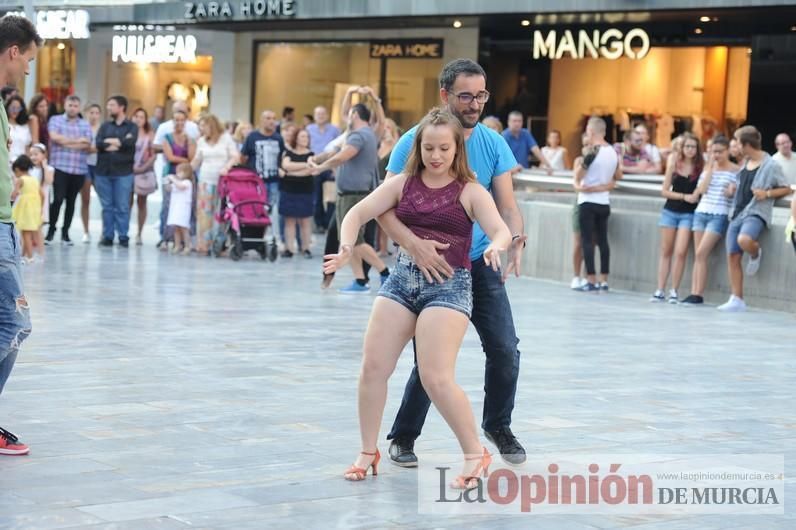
(520,145)
(488,156)
(264,153)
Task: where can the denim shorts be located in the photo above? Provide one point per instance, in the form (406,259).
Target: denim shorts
(677,220)
(751,226)
(407,286)
(710,222)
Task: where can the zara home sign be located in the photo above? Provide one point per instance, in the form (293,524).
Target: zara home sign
(608,44)
(243,8)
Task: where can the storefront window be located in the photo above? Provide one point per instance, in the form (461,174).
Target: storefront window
(148,85)
(305,75)
(55,67)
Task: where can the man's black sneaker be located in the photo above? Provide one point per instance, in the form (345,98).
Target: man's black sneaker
(693,299)
(66,241)
(124,243)
(508,445)
(402,452)
(104,242)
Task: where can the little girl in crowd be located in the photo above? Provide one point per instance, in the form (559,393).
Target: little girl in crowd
(180,208)
(45,174)
(28,208)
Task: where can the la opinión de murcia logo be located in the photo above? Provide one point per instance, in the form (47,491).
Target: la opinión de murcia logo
(506,487)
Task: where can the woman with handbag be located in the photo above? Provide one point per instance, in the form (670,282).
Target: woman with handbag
(145,181)
(216,153)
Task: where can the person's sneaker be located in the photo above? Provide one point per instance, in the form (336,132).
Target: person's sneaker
(86,238)
(510,448)
(657,296)
(673,298)
(66,241)
(104,242)
(577,283)
(754,263)
(138,241)
(307,254)
(733,305)
(48,241)
(286,254)
(693,299)
(588,288)
(10,444)
(604,286)
(402,452)
(355,288)
(124,243)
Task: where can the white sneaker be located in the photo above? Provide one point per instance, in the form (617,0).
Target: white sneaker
(577,283)
(754,263)
(733,305)
(673,299)
(86,238)
(657,296)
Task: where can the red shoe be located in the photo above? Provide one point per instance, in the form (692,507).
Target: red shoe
(10,444)
(357,473)
(468,482)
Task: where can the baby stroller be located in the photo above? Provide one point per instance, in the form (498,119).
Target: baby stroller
(243,215)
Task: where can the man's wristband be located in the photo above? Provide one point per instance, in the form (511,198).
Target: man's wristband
(514,238)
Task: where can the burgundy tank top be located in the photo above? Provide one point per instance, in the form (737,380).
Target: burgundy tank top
(437,214)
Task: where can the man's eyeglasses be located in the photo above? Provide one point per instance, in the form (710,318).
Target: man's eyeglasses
(467,98)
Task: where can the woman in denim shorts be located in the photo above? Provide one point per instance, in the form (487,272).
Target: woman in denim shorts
(679,188)
(716,189)
(437,197)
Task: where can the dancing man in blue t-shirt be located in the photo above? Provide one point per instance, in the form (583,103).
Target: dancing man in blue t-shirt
(463,92)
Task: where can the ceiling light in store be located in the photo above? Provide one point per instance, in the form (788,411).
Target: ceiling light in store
(704,19)
(526,23)
(793,28)
(698,31)
(457,24)
(715,19)
(61,46)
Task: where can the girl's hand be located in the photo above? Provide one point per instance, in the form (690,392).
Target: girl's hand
(334,262)
(492,257)
(692,198)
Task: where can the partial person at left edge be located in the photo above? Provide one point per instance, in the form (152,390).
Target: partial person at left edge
(19,44)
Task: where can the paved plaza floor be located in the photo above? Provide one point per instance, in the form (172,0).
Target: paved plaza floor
(161,392)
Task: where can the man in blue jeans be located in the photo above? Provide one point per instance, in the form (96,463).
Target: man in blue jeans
(19,44)
(463,93)
(113,177)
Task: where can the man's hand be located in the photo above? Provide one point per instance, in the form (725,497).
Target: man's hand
(730,190)
(691,198)
(514,260)
(430,262)
(760,195)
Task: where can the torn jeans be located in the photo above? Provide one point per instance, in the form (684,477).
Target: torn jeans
(14,310)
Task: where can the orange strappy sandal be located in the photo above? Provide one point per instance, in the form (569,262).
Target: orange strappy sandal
(468,482)
(360,473)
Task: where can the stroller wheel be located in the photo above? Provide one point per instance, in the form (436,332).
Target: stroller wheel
(236,252)
(272,251)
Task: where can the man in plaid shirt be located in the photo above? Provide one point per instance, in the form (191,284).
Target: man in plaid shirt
(70,142)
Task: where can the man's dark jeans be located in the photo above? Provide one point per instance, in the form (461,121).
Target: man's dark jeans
(495,326)
(323,216)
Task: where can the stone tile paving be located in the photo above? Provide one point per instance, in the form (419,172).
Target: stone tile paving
(162,392)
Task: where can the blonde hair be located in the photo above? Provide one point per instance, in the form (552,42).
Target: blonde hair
(440,117)
(185,171)
(216,130)
(238,134)
(493,123)
(395,129)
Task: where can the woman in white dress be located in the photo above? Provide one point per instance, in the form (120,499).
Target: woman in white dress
(45,174)
(20,130)
(554,152)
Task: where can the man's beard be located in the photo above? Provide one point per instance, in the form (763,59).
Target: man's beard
(464,119)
